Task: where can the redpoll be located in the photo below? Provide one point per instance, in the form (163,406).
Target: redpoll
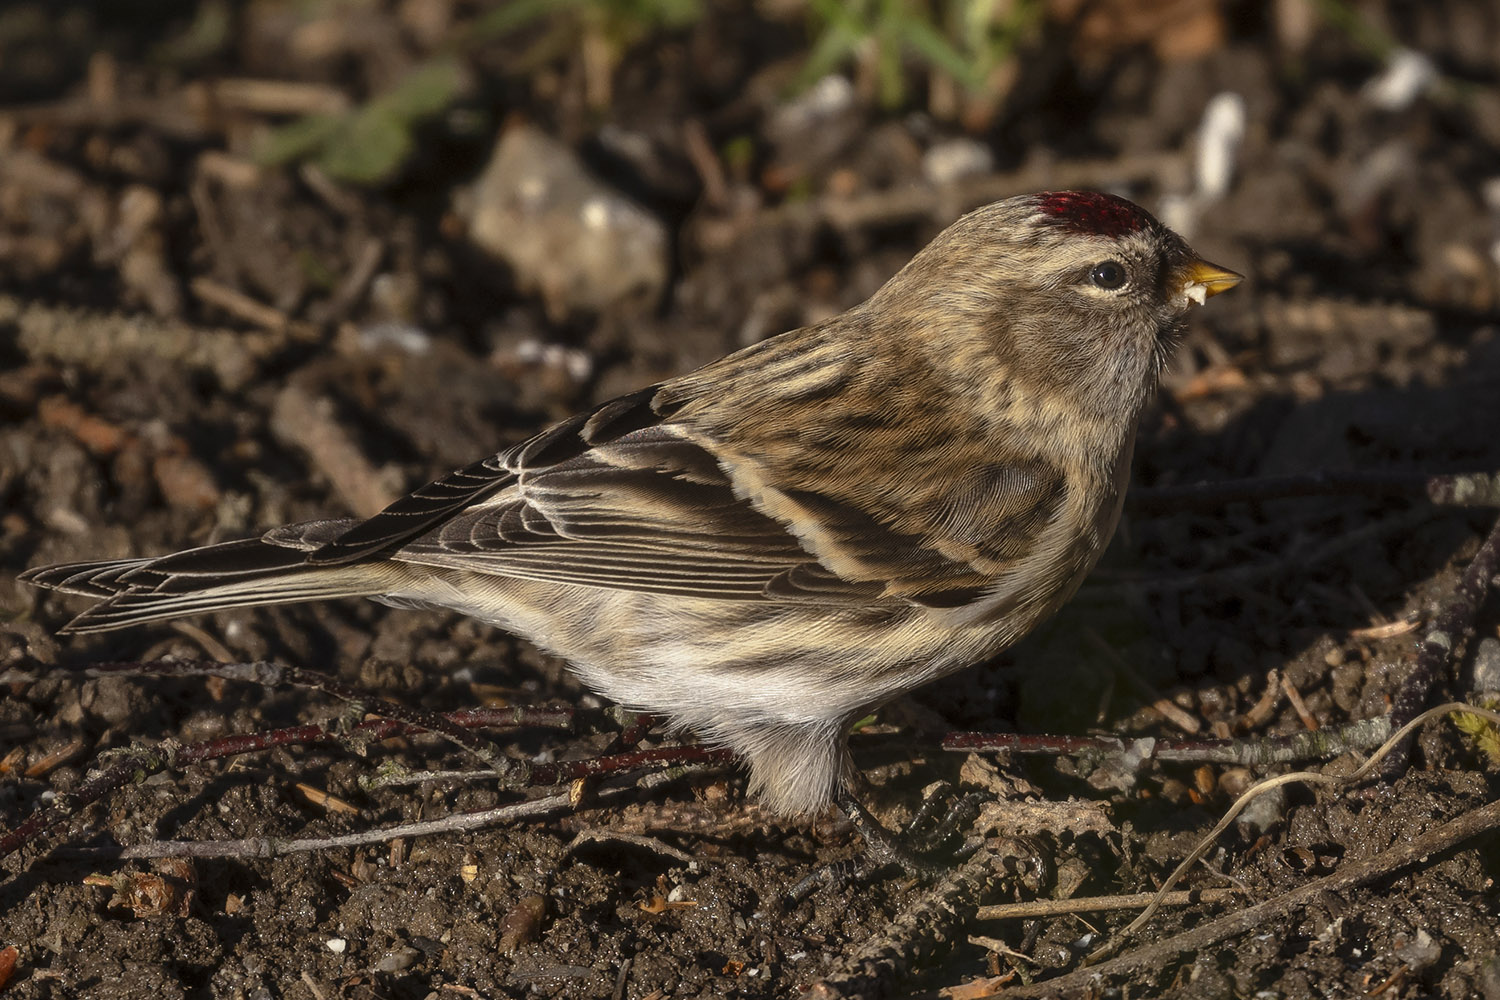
(769,547)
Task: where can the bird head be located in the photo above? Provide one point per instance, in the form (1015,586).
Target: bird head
(1073,292)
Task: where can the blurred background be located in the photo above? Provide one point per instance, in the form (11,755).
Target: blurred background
(281,259)
(535,182)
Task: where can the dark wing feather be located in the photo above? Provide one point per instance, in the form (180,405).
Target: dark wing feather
(424,509)
(415,513)
(649,511)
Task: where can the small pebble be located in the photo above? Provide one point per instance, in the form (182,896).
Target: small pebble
(1419,952)
(568,237)
(1487,666)
(1408,75)
(1264,812)
(1219,138)
(956,159)
(1234,781)
(398,959)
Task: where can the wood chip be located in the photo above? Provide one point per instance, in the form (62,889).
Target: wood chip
(308,423)
(1388,630)
(330,802)
(280,97)
(1295,697)
(55,759)
(239,304)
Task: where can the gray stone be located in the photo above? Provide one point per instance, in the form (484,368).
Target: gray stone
(1487,666)
(576,242)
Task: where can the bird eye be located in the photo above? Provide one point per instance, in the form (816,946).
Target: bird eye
(1108,275)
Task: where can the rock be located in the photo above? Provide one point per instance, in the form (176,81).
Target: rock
(1264,812)
(398,959)
(579,244)
(953,160)
(1420,952)
(811,134)
(1487,667)
(1407,76)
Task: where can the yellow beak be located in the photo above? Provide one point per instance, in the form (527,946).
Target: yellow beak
(1200,279)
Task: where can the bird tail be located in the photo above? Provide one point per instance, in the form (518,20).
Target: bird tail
(272,569)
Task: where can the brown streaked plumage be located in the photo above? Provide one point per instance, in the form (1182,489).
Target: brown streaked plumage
(766,548)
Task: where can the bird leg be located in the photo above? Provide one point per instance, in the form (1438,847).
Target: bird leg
(933,825)
(914,854)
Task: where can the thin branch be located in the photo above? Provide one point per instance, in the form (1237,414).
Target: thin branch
(1038,908)
(1260,788)
(930,925)
(1322,744)
(1453,625)
(137,763)
(272,847)
(1154,957)
(271,674)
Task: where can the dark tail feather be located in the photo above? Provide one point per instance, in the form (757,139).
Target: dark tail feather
(257,571)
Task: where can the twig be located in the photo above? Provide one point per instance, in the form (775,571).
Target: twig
(266,847)
(1262,787)
(397,719)
(700,153)
(99,784)
(1153,957)
(1452,625)
(366,262)
(308,423)
(334,195)
(212,646)
(929,925)
(597,835)
(1037,908)
(174,114)
(312,987)
(139,762)
(1260,713)
(1319,745)
(1298,705)
(239,304)
(634,760)
(270,674)
(271,847)
(279,97)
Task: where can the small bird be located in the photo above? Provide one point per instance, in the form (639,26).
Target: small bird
(766,549)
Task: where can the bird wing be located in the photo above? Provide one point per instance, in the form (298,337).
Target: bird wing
(619,498)
(628,498)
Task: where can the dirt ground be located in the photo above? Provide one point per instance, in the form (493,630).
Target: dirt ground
(196,345)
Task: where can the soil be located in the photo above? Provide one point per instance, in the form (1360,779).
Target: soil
(196,347)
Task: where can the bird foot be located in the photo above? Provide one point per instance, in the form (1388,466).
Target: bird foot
(919,849)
